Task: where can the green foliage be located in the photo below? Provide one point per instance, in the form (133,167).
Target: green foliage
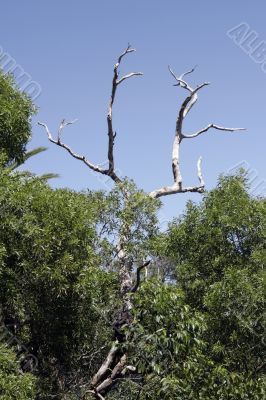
(166,340)
(13,384)
(200,336)
(52,287)
(169,345)
(226,230)
(219,251)
(126,212)
(57,286)
(27,155)
(15,119)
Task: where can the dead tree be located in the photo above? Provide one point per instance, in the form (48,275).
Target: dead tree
(115,363)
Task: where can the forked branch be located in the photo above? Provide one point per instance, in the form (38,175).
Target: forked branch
(110,171)
(186,106)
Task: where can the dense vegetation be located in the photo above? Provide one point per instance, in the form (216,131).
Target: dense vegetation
(15,118)
(198,322)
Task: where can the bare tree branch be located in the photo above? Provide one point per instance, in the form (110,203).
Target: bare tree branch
(180,79)
(59,143)
(105,366)
(109,381)
(137,283)
(185,108)
(128,76)
(111,133)
(219,128)
(193,92)
(129,49)
(110,171)
(174,189)
(202,183)
(63,124)
(190,101)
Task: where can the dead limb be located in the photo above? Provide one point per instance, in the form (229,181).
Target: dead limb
(186,106)
(110,171)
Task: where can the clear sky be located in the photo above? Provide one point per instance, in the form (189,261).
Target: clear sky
(70,47)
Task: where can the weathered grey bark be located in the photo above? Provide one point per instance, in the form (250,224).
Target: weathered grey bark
(114,364)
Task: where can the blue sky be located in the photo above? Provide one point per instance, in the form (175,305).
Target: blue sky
(70,47)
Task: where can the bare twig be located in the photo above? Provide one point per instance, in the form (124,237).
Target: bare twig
(128,76)
(219,128)
(180,79)
(63,124)
(58,142)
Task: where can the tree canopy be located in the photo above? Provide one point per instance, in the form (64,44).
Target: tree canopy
(201,334)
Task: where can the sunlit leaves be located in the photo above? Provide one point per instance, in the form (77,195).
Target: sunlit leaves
(13,384)
(15,119)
